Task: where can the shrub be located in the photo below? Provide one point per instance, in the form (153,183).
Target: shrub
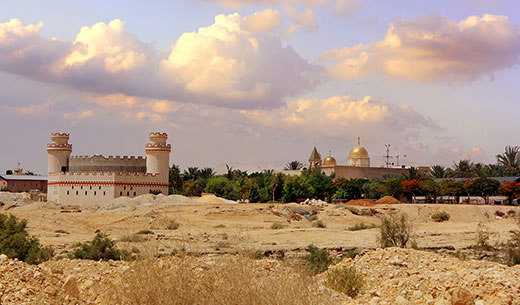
(223,187)
(15,242)
(231,280)
(101,247)
(220,226)
(395,231)
(346,280)
(353,210)
(61,231)
(276,226)
(361,226)
(145,232)
(132,238)
(441,216)
(318,259)
(513,248)
(482,239)
(172,225)
(319,224)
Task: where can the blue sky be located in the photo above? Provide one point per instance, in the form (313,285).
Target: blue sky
(261,84)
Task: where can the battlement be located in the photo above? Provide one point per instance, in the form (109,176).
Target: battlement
(158,134)
(109,158)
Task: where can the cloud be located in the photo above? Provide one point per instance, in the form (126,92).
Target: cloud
(305,20)
(237,62)
(433,49)
(342,117)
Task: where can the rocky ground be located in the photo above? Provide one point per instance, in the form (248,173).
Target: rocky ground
(210,229)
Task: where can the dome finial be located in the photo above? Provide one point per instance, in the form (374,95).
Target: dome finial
(358,141)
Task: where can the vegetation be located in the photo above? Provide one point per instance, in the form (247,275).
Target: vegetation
(276,225)
(395,231)
(101,247)
(15,242)
(268,186)
(441,216)
(231,280)
(347,280)
(318,259)
(361,226)
(172,225)
(319,224)
(145,232)
(513,248)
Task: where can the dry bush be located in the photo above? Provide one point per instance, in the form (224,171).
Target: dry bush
(347,280)
(441,216)
(396,231)
(229,280)
(319,224)
(361,226)
(276,226)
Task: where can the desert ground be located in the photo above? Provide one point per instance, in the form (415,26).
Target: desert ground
(209,227)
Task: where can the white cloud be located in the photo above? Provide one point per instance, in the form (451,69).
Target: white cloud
(236,62)
(433,49)
(341,117)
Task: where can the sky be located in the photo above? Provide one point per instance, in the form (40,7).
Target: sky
(255,84)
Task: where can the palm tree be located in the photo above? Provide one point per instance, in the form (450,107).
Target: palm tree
(207,172)
(510,158)
(438,171)
(294,165)
(463,169)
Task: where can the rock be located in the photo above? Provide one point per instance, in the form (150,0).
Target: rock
(50,291)
(71,287)
(479,302)
(3,257)
(461,296)
(400,300)
(417,294)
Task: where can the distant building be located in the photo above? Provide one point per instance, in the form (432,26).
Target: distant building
(98,179)
(15,181)
(358,165)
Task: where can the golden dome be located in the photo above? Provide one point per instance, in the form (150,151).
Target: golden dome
(358,152)
(330,161)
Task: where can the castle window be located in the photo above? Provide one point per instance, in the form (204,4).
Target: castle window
(77,193)
(127,193)
(120,193)
(81,187)
(125,188)
(134,193)
(67,192)
(85,192)
(94,193)
(73,187)
(37,185)
(91,187)
(103,193)
(131,188)
(100,187)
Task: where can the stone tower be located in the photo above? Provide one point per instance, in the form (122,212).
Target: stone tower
(158,155)
(58,153)
(314,159)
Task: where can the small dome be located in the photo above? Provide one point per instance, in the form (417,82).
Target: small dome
(330,161)
(358,152)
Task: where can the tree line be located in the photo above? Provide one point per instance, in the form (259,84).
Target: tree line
(270,186)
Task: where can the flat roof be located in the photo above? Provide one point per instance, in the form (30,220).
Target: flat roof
(24,177)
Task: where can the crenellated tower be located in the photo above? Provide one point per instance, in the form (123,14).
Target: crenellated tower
(158,155)
(58,153)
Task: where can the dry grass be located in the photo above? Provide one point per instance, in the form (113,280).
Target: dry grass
(229,280)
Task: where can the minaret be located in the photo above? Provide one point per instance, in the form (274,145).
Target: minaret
(158,155)
(58,153)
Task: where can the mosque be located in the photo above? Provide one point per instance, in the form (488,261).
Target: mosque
(99,179)
(358,165)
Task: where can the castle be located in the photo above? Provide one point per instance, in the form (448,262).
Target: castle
(99,179)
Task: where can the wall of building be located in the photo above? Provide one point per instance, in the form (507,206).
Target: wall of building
(349,172)
(99,163)
(87,188)
(24,185)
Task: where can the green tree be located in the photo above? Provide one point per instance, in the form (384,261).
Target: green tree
(463,169)
(485,187)
(223,187)
(294,165)
(348,188)
(176,184)
(510,158)
(438,171)
(372,189)
(15,242)
(101,247)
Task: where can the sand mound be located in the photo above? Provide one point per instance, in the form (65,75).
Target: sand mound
(388,200)
(144,200)
(9,198)
(210,198)
(361,202)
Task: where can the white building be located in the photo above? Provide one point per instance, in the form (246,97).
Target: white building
(98,179)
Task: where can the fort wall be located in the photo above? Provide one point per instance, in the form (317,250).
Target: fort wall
(99,163)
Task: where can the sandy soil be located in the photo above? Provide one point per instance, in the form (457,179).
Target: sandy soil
(207,227)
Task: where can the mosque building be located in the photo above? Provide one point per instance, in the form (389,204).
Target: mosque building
(358,165)
(99,179)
